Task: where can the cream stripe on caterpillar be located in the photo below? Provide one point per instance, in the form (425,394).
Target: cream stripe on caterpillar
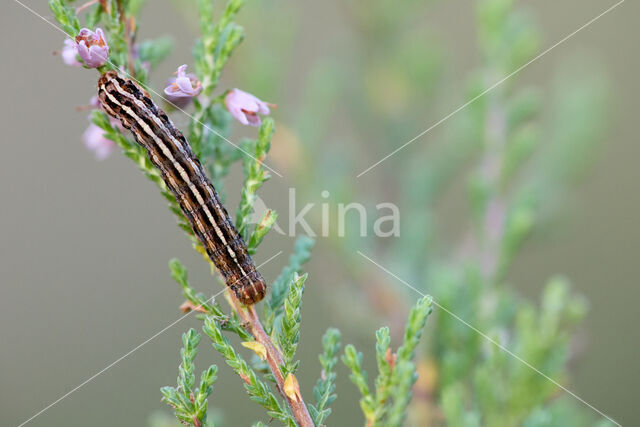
(124,100)
(178,145)
(165,150)
(178,167)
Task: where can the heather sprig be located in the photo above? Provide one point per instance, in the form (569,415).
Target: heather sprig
(353,360)
(404,377)
(261,229)
(255,175)
(188,401)
(384,361)
(403,374)
(324,390)
(66,17)
(257,389)
(396,371)
(288,330)
(273,306)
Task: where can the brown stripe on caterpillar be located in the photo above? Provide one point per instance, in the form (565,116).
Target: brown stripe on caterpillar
(168,150)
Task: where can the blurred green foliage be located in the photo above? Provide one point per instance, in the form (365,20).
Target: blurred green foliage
(519,148)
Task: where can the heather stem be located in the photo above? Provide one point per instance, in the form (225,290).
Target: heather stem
(127,38)
(495,211)
(274,360)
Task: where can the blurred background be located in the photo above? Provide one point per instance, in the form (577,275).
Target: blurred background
(84,244)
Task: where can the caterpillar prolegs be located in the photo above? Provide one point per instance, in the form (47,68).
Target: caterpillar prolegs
(126,101)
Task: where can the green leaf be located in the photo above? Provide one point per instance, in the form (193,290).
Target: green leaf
(273,306)
(325,386)
(66,17)
(189,403)
(288,332)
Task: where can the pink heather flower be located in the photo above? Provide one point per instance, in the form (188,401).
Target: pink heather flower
(70,53)
(92,47)
(181,88)
(95,141)
(246,107)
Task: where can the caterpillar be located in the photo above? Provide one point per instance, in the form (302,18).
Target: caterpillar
(169,151)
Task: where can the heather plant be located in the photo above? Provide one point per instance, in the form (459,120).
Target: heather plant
(104,36)
(491,357)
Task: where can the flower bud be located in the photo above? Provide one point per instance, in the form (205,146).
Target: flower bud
(92,47)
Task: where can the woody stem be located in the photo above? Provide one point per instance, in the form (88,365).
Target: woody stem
(127,38)
(274,360)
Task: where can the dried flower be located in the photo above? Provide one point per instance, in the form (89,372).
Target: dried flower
(292,388)
(95,141)
(246,107)
(181,88)
(257,348)
(92,47)
(188,306)
(70,53)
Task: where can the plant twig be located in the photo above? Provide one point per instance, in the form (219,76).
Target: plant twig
(127,38)
(495,211)
(86,5)
(274,360)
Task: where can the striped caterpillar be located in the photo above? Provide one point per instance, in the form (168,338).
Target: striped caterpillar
(170,152)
